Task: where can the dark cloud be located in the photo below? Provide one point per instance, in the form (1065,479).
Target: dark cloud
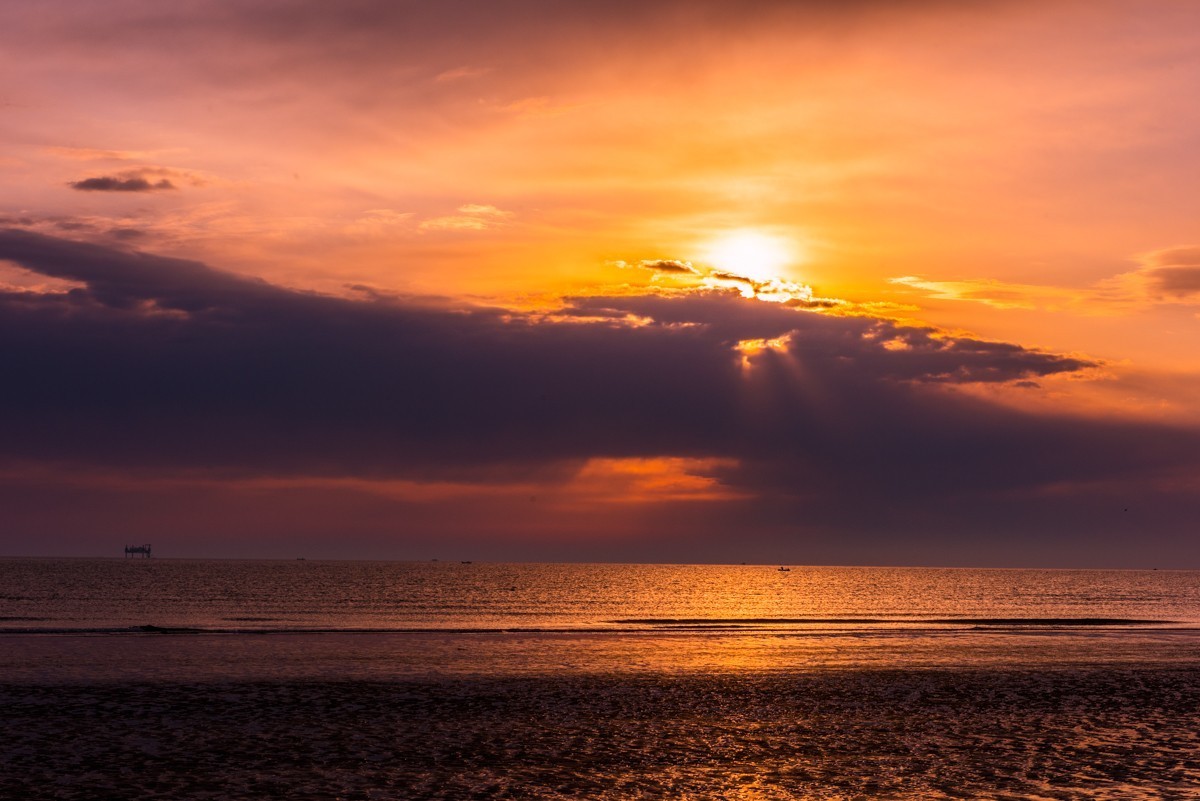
(109,183)
(1178,281)
(846,424)
(89,229)
(123,280)
(879,348)
(814,303)
(1173,271)
(668,266)
(1185,255)
(724,275)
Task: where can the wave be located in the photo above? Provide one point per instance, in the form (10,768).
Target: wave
(947,621)
(627,626)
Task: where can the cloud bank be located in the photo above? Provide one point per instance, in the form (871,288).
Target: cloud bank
(847,424)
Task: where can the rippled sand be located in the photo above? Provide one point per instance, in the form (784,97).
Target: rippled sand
(1111,732)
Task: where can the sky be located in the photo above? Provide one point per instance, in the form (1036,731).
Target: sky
(857,282)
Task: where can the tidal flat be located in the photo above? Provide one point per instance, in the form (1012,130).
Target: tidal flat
(1053,733)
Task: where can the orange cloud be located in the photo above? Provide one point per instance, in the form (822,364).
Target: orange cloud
(649,480)
(1169,275)
(470,217)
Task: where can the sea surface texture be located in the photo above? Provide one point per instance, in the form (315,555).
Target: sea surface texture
(149,678)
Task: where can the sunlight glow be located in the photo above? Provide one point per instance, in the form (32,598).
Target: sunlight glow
(751,254)
(749,348)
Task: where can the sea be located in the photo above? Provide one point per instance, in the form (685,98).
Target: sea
(223,679)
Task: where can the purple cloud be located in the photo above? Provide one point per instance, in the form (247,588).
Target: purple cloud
(847,423)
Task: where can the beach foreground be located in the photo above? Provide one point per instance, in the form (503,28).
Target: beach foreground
(222,680)
(1118,731)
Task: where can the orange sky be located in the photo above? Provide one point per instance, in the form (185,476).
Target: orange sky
(1016,171)
(1022,150)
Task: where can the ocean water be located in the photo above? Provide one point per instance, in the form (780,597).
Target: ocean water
(108,595)
(179,679)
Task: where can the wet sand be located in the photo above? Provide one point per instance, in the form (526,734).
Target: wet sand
(1116,731)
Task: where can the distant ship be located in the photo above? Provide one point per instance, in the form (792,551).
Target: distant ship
(784,569)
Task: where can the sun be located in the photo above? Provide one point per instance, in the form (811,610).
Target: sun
(751,254)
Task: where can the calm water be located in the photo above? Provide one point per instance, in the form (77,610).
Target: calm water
(113,594)
(175,679)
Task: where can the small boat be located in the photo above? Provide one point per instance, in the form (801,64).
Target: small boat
(784,569)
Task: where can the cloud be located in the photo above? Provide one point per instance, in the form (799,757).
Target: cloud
(454,223)
(848,424)
(1173,272)
(668,266)
(109,183)
(146,178)
(470,217)
(380,223)
(1169,275)
(104,230)
(882,349)
(990,292)
(775,290)
(17,280)
(126,233)
(483,210)
(123,280)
